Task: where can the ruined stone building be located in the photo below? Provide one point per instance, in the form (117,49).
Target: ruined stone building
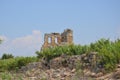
(58,39)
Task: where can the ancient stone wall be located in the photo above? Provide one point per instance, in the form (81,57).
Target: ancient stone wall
(57,39)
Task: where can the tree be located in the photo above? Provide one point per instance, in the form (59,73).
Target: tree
(7,56)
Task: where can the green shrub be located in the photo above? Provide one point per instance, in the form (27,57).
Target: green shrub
(7,56)
(50,53)
(15,63)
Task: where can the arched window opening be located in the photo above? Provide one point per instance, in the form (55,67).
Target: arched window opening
(56,40)
(49,39)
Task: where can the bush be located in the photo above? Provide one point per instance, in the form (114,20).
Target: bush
(7,56)
(108,51)
(15,63)
(50,53)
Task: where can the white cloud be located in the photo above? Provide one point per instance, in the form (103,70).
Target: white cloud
(36,32)
(22,46)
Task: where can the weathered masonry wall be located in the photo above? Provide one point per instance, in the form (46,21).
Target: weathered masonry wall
(57,39)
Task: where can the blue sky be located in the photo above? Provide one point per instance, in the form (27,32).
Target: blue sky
(24,22)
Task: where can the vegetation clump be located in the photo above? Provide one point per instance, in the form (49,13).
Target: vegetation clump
(7,56)
(15,63)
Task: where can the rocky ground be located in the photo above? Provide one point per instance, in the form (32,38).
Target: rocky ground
(65,68)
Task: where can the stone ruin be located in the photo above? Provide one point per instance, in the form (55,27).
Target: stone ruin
(58,39)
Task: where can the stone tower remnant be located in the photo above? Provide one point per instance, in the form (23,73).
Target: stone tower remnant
(57,39)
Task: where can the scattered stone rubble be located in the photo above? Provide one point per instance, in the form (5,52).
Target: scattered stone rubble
(61,68)
(77,67)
